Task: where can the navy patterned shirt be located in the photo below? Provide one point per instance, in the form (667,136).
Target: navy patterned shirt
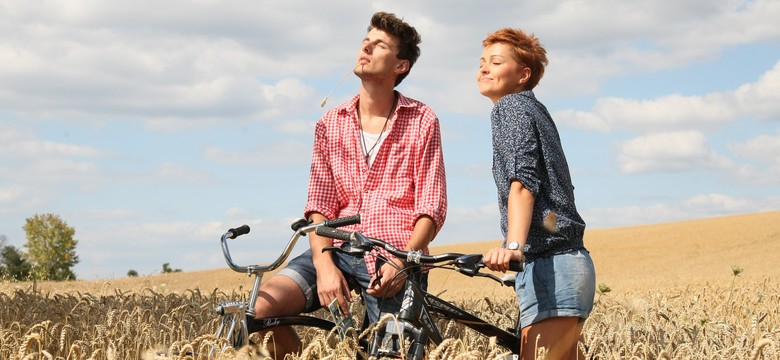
(527,147)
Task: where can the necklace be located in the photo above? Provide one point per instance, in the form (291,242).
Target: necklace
(366,150)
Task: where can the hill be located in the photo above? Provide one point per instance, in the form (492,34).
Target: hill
(675,254)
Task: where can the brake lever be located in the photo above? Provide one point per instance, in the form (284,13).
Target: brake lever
(331,248)
(344,248)
(468,264)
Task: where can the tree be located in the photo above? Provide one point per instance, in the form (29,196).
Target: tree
(132,273)
(51,248)
(12,265)
(167,269)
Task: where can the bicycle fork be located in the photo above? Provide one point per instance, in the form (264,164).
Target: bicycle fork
(233,326)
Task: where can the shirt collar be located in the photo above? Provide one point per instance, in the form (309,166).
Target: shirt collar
(351,105)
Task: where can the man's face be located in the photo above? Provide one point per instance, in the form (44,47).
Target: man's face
(377,57)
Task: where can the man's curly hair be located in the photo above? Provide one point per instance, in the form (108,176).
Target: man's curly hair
(408,38)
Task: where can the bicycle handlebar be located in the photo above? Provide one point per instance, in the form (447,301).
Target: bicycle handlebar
(468,264)
(344,221)
(241,230)
(301,228)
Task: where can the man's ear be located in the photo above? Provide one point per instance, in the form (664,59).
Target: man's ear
(402,67)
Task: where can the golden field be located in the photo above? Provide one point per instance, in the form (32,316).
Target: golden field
(674,294)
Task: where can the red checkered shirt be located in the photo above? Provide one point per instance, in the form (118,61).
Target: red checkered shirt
(405,181)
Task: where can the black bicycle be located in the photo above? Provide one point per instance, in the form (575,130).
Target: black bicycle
(415,327)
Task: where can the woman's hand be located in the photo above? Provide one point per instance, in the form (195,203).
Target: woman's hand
(497,259)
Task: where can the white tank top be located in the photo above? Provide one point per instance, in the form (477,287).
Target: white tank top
(373,143)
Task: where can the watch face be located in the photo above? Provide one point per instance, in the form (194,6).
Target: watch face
(513,245)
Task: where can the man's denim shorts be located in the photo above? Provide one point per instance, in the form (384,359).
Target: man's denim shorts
(301,270)
(557,286)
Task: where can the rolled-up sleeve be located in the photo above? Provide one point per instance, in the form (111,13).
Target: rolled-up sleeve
(322,196)
(431,189)
(517,147)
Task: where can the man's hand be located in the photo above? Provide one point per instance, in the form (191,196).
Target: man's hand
(497,259)
(331,284)
(385,283)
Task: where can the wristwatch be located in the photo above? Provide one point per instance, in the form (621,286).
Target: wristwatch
(513,246)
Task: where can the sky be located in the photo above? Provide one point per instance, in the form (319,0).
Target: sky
(152,127)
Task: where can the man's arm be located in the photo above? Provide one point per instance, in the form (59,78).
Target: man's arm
(430,183)
(423,233)
(331,283)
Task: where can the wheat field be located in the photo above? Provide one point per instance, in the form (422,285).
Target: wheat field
(703,289)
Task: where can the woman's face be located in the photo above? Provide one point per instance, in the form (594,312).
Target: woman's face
(499,73)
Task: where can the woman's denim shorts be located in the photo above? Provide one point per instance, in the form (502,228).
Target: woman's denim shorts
(556,286)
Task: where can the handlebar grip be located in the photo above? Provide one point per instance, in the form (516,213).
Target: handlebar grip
(516,266)
(343,221)
(241,230)
(333,233)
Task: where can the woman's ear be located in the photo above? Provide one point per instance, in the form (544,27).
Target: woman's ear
(526,74)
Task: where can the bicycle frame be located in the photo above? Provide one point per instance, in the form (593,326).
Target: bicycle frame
(415,318)
(420,304)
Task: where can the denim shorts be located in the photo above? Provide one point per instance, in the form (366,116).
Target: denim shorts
(561,285)
(301,270)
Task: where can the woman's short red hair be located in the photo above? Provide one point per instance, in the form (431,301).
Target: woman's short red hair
(526,49)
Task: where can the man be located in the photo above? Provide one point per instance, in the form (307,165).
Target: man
(378,155)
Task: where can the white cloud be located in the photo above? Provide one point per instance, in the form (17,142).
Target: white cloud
(31,149)
(765,148)
(762,98)
(470,224)
(58,171)
(81,60)
(677,112)
(666,113)
(10,194)
(293,127)
(107,214)
(582,120)
(693,207)
(145,246)
(669,152)
(271,153)
(764,152)
(723,203)
(168,172)
(260,69)
(181,65)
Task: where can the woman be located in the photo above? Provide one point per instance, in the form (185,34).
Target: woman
(539,219)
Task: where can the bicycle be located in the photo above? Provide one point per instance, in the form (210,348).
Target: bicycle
(415,323)
(238,317)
